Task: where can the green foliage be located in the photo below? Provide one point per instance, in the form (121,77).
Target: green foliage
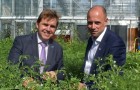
(73,60)
(9,74)
(73,57)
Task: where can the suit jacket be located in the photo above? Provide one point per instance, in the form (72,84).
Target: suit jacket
(111,44)
(28,45)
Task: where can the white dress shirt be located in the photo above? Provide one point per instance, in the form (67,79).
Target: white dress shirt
(92,52)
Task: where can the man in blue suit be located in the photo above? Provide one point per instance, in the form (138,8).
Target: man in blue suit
(30,45)
(102,41)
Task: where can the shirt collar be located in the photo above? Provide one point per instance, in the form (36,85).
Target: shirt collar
(98,40)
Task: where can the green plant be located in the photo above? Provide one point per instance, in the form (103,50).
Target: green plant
(73,60)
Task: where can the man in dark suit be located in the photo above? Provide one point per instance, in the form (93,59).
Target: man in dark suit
(30,45)
(102,41)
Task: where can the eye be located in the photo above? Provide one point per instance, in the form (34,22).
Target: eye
(97,22)
(53,26)
(45,24)
(90,22)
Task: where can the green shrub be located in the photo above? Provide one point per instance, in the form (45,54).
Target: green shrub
(73,59)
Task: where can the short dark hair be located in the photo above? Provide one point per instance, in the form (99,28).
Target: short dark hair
(48,13)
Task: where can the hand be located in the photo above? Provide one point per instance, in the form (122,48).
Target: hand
(82,86)
(29,83)
(50,75)
(26,81)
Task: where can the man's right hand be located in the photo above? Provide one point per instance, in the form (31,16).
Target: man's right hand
(82,86)
(50,75)
(27,81)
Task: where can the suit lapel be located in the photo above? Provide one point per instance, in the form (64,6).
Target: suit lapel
(50,52)
(34,48)
(34,45)
(100,50)
(90,42)
(102,47)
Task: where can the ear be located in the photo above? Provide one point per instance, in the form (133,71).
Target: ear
(36,25)
(106,21)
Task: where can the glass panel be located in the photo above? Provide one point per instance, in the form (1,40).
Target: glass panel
(33,26)
(19,7)
(27,6)
(28,27)
(24,27)
(80,7)
(19,30)
(6,7)
(35,8)
(22,7)
(5,28)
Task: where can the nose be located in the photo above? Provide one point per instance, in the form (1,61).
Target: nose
(48,27)
(93,25)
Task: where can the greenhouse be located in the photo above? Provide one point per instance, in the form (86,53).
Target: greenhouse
(18,17)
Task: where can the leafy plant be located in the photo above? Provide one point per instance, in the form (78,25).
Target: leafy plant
(73,60)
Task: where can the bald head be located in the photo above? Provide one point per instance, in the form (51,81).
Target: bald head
(98,8)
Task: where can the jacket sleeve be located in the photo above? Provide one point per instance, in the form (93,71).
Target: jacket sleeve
(118,50)
(15,51)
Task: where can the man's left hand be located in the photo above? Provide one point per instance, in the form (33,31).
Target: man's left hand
(50,75)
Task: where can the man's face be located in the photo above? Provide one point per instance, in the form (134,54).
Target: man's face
(96,22)
(46,28)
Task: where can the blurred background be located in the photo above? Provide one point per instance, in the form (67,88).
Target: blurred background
(18,17)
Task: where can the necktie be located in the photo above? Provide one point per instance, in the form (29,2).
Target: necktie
(42,57)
